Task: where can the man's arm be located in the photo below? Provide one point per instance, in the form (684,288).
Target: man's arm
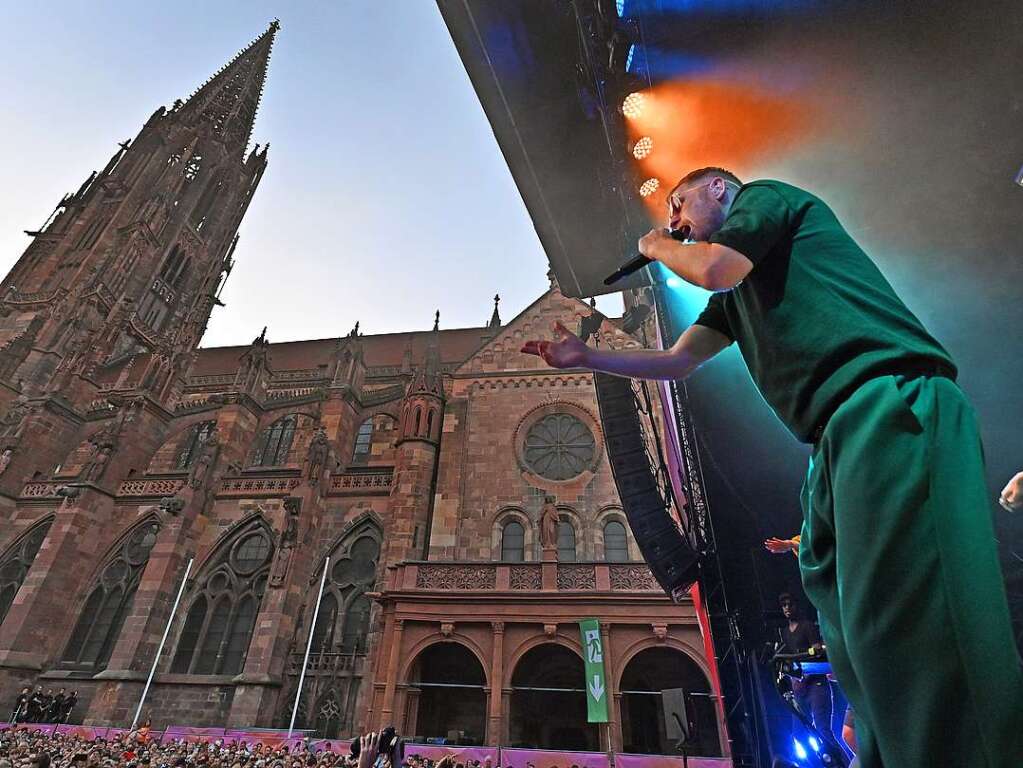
(713,266)
(693,348)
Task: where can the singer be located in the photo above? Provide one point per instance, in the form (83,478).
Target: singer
(897,550)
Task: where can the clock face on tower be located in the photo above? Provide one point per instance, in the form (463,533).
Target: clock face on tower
(559,447)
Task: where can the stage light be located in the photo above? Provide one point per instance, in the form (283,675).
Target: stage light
(673,282)
(800,750)
(648,187)
(813,743)
(633,105)
(1019,177)
(620,7)
(629,57)
(642,147)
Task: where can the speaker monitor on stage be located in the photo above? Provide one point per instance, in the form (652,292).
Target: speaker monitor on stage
(678,726)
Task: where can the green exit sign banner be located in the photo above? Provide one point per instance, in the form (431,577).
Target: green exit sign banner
(596,681)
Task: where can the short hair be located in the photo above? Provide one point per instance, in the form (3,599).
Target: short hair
(711,170)
(784,598)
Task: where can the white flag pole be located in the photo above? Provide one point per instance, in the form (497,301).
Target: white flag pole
(308,648)
(166,631)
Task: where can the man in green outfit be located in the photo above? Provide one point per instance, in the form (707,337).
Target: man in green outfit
(897,550)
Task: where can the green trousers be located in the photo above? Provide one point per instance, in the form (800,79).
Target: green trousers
(898,555)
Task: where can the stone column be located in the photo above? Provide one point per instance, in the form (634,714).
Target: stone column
(387,709)
(496,714)
(613,696)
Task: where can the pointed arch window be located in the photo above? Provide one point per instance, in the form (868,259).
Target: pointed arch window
(275,443)
(218,627)
(174,267)
(192,444)
(343,621)
(566,541)
(616,545)
(363,442)
(204,209)
(429,423)
(109,601)
(16,561)
(513,539)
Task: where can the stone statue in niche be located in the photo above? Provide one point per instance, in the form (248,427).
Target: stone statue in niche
(289,539)
(13,422)
(316,458)
(97,464)
(549,524)
(201,470)
(5,459)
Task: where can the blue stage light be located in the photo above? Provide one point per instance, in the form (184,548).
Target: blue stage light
(629,57)
(673,282)
(800,750)
(813,743)
(620,7)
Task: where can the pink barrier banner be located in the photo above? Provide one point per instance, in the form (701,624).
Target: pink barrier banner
(192,735)
(542,758)
(665,761)
(82,731)
(113,734)
(4,726)
(269,738)
(436,751)
(337,746)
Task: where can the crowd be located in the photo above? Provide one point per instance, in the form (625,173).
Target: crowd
(25,747)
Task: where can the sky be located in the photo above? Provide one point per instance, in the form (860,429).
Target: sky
(386,197)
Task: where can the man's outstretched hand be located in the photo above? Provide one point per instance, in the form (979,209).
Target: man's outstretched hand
(780,546)
(566,351)
(1012,494)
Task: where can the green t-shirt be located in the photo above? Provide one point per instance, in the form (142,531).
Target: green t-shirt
(815,318)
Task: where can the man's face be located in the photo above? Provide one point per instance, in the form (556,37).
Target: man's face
(701,205)
(788,610)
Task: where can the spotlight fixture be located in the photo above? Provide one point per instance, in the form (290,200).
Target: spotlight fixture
(632,107)
(800,750)
(648,187)
(642,147)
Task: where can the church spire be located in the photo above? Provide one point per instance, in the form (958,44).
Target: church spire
(227,103)
(495,319)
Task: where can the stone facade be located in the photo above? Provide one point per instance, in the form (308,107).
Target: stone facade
(392,468)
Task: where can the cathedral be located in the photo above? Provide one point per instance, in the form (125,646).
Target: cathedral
(412,524)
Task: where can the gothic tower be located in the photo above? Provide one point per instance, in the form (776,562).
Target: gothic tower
(116,289)
(415,471)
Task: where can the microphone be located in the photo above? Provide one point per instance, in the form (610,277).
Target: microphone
(639,261)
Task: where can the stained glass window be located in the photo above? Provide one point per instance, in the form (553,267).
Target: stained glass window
(559,447)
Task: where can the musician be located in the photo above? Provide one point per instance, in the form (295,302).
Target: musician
(812,692)
(20,712)
(69,704)
(56,707)
(897,551)
(36,705)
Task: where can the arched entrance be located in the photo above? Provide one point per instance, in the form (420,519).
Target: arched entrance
(446,697)
(548,701)
(644,704)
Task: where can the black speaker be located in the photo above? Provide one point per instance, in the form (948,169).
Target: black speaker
(662,529)
(678,727)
